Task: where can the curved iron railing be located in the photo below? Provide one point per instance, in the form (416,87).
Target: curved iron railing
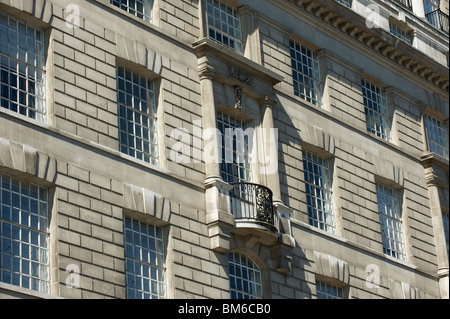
(438,19)
(251,201)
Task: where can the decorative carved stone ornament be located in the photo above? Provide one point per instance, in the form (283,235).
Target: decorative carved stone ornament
(240,75)
(238,96)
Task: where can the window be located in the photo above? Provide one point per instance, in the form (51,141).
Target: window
(400,33)
(430,6)
(405,4)
(24,237)
(435,16)
(318,191)
(391,221)
(436,135)
(347,3)
(376,109)
(235,161)
(224,24)
(144,260)
(328,291)
(137,116)
(139,8)
(22,61)
(305,73)
(245,277)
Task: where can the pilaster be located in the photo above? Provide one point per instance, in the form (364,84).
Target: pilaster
(431,178)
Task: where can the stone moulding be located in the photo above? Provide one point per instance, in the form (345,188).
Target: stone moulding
(378,40)
(332,267)
(142,200)
(240,75)
(25,159)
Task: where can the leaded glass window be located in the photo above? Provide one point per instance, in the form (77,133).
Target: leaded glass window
(144,260)
(24,234)
(224,24)
(139,8)
(137,116)
(318,185)
(306,73)
(376,110)
(436,135)
(22,63)
(390,212)
(328,291)
(235,164)
(245,277)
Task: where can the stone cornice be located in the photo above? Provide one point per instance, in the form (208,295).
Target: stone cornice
(237,68)
(433,163)
(434,160)
(380,41)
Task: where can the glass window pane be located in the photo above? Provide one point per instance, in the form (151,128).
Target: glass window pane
(376,109)
(139,8)
(437,136)
(141,262)
(389,208)
(137,121)
(305,73)
(235,148)
(245,277)
(22,68)
(23,234)
(328,291)
(318,191)
(224,24)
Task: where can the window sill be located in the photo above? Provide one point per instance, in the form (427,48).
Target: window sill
(149,25)
(49,129)
(8,291)
(353,245)
(362,130)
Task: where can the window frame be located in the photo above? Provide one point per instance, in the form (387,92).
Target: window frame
(159,269)
(123,107)
(256,285)
(30,101)
(380,115)
(134,11)
(400,32)
(326,188)
(235,172)
(346,3)
(233,13)
(340,291)
(315,95)
(430,5)
(32,239)
(391,223)
(443,136)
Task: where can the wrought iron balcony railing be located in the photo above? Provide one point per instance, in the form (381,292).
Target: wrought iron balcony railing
(252,202)
(404,3)
(438,19)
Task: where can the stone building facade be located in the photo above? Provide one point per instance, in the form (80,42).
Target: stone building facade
(224,149)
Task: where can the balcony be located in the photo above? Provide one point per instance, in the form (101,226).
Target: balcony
(404,3)
(438,19)
(252,206)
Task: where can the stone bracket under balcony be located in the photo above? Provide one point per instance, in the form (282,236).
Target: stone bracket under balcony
(219,220)
(247,210)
